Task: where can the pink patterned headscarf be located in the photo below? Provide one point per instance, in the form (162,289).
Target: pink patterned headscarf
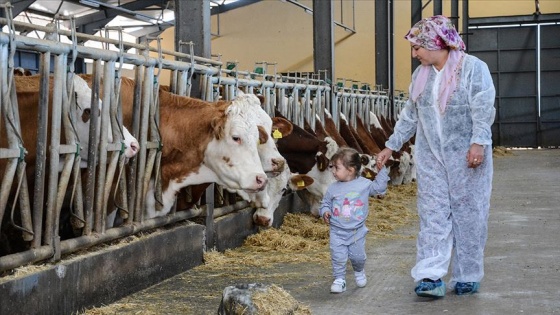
(436,33)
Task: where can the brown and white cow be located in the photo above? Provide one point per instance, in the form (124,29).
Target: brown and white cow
(203,142)
(307,154)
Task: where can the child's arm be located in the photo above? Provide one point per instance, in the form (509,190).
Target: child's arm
(379,185)
(326,206)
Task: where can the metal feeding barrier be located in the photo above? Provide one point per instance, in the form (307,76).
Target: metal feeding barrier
(63,190)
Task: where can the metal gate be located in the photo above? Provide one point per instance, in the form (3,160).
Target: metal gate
(523,54)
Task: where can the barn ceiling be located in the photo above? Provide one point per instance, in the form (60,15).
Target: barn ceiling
(138,18)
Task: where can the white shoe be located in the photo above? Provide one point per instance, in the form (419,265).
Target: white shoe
(361,279)
(338,286)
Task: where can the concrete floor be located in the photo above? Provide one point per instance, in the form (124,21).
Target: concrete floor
(522,260)
(522,254)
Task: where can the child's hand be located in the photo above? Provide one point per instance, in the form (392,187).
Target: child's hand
(327,217)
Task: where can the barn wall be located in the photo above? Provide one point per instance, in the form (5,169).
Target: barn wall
(104,276)
(277,31)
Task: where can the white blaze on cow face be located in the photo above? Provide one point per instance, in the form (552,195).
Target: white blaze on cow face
(272,162)
(235,158)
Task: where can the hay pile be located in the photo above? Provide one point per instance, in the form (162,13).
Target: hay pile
(304,238)
(394,210)
(501,151)
(277,301)
(301,238)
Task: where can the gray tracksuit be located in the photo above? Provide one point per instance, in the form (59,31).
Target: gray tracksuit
(348,203)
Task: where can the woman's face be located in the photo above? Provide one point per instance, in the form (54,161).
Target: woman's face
(422,54)
(429,57)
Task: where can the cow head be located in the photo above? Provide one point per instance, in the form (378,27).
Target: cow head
(233,152)
(82,92)
(276,188)
(272,162)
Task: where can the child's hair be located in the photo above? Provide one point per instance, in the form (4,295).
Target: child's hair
(349,158)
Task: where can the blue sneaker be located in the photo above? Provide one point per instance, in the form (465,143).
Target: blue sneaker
(466,287)
(430,288)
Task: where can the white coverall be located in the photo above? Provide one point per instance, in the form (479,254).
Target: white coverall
(453,200)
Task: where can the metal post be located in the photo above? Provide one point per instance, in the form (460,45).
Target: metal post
(415,16)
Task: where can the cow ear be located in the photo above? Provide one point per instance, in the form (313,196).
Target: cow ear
(86,114)
(263,135)
(299,182)
(364,159)
(281,127)
(261,98)
(393,163)
(322,162)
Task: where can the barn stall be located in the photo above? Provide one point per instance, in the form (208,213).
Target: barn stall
(59,230)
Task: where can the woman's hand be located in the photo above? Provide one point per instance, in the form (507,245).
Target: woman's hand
(475,156)
(383,157)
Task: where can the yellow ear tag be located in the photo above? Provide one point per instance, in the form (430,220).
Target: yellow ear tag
(368,175)
(300,183)
(277,134)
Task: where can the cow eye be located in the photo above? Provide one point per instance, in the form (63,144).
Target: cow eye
(236,139)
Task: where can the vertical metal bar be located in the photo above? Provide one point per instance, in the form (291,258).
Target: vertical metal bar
(51,227)
(455,13)
(143,176)
(173,88)
(381,43)
(415,16)
(466,23)
(335,111)
(323,38)
(108,99)
(391,86)
(438,7)
(193,23)
(42,123)
(92,149)
(135,188)
(538,88)
(210,216)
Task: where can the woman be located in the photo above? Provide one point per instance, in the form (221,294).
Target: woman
(451,111)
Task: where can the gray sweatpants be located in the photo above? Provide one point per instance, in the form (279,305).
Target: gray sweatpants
(340,253)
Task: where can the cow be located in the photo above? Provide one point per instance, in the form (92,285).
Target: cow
(19,71)
(27,89)
(272,162)
(203,142)
(307,154)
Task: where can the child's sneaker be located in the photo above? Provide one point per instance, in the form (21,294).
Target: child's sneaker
(338,286)
(430,288)
(361,279)
(466,287)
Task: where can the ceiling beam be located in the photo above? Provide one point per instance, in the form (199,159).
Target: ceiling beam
(90,23)
(18,6)
(231,6)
